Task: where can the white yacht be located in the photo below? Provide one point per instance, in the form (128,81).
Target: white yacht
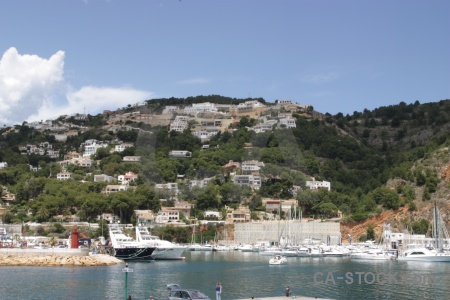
(126,248)
(246,248)
(374,254)
(423,254)
(332,252)
(164,250)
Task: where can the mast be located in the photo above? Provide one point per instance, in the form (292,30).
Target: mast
(436,234)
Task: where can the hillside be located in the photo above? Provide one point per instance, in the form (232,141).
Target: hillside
(378,163)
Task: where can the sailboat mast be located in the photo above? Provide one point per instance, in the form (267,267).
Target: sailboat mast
(435,230)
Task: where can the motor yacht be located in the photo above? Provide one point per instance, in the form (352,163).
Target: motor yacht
(126,248)
(164,250)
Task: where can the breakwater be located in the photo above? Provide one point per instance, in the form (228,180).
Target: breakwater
(54,257)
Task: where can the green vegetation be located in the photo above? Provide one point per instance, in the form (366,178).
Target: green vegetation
(358,154)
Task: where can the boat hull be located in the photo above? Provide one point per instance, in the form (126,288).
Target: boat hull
(429,258)
(141,253)
(173,253)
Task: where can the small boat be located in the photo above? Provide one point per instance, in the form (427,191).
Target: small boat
(278,260)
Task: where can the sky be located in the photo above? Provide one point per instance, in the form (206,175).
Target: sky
(62,57)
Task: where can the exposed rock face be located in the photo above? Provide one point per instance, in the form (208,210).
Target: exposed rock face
(446,173)
(58,260)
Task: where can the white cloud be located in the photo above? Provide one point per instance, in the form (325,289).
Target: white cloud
(321,78)
(33,88)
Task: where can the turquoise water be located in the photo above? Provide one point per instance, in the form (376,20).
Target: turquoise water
(243,275)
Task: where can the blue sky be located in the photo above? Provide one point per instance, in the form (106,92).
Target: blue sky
(67,56)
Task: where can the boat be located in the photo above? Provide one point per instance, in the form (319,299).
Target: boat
(315,252)
(164,250)
(278,260)
(374,254)
(303,251)
(332,252)
(126,248)
(423,254)
(289,252)
(246,248)
(434,252)
(271,251)
(194,247)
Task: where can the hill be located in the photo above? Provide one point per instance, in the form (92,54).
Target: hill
(382,165)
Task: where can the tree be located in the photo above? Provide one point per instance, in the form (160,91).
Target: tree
(42,214)
(420,227)
(370,233)
(388,198)
(327,209)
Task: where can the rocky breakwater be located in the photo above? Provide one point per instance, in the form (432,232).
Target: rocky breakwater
(55,260)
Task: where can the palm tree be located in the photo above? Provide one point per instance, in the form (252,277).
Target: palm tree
(42,214)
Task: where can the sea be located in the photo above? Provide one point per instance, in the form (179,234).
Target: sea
(242,274)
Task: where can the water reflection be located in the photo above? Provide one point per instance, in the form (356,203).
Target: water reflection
(243,275)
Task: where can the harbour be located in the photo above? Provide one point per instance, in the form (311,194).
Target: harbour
(244,275)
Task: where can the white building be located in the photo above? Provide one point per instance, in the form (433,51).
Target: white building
(122,147)
(104,178)
(248,180)
(213,214)
(114,188)
(171,188)
(131,159)
(200,107)
(247,105)
(109,218)
(167,215)
(179,154)
(295,232)
(91,149)
(144,217)
(205,134)
(314,185)
(127,178)
(265,125)
(3,165)
(170,109)
(178,125)
(287,123)
(64,176)
(284,102)
(201,183)
(251,165)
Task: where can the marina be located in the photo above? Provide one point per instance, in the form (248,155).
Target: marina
(244,275)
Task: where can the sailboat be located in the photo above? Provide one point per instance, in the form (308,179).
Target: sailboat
(438,253)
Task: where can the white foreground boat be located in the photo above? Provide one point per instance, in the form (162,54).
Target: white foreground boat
(278,260)
(164,250)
